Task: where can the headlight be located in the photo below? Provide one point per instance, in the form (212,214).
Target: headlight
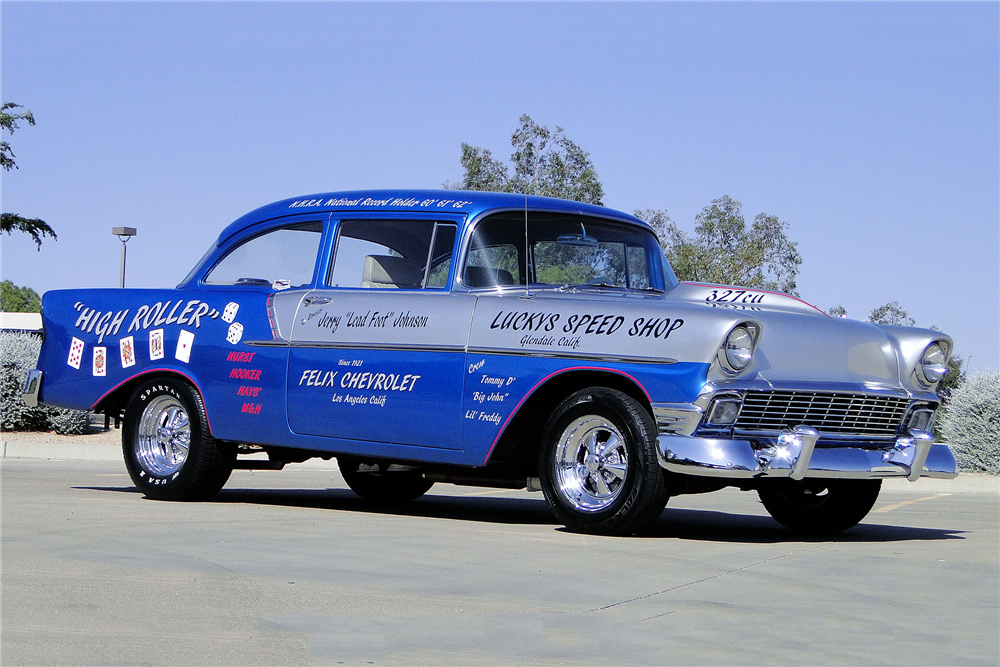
(934,363)
(739,347)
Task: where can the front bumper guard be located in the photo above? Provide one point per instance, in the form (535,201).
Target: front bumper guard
(795,455)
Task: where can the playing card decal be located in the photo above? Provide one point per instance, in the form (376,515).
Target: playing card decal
(100,361)
(126,347)
(185,341)
(155,344)
(75,353)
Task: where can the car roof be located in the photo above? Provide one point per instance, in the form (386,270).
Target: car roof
(468,202)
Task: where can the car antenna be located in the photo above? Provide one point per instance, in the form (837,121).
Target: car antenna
(527,264)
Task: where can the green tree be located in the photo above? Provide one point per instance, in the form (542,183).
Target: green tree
(725,251)
(11,222)
(14,299)
(837,311)
(544,163)
(950,382)
(891,313)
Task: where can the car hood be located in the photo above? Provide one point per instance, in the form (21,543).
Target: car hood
(800,343)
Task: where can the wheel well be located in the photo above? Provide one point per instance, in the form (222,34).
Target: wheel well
(115,402)
(520,440)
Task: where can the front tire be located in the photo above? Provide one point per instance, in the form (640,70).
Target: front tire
(380,483)
(169,452)
(818,505)
(598,466)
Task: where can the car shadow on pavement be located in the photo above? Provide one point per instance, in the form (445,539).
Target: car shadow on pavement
(712,526)
(684,524)
(525,511)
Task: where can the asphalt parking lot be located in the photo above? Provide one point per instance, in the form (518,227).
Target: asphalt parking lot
(291,568)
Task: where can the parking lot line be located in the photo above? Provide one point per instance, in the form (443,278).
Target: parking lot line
(889,508)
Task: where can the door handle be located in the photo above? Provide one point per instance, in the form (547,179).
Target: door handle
(316,300)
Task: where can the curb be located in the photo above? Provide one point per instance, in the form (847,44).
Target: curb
(67,451)
(59,450)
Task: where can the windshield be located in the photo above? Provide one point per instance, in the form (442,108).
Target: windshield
(564,250)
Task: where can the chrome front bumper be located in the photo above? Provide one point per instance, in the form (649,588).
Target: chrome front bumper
(796,456)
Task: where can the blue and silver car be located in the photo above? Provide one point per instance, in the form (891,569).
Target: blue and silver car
(498,340)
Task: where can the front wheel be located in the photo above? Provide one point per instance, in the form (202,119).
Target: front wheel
(818,505)
(598,465)
(169,452)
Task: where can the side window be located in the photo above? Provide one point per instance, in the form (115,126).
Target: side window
(440,257)
(638,268)
(561,249)
(285,255)
(392,254)
(489,266)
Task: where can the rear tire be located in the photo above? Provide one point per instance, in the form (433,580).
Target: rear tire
(169,452)
(598,465)
(378,483)
(819,505)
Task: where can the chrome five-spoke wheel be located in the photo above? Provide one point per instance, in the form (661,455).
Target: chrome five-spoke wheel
(598,466)
(169,451)
(591,463)
(164,436)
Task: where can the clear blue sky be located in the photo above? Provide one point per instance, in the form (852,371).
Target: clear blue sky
(871,129)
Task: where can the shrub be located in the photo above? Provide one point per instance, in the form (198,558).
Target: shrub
(18,355)
(972,423)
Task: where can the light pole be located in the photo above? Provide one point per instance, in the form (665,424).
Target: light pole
(123,234)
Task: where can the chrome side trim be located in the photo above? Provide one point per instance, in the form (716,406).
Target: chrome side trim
(32,387)
(400,347)
(572,355)
(739,459)
(388,347)
(356,346)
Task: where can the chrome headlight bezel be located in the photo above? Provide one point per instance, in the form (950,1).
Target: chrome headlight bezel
(736,354)
(933,365)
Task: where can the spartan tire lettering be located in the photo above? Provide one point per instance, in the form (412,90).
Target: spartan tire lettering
(597,464)
(168,449)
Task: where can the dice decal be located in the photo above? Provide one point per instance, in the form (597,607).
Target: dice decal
(235,333)
(229,314)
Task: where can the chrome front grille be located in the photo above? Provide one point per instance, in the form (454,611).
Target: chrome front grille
(840,413)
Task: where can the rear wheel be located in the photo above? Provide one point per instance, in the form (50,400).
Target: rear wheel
(818,505)
(598,464)
(383,482)
(168,450)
